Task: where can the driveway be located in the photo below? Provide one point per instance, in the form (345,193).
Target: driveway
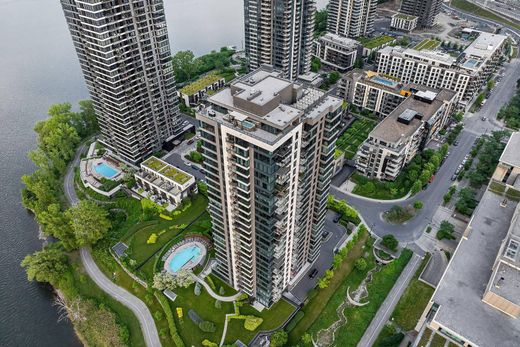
(324,262)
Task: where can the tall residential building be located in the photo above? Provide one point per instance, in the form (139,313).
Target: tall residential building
(280,33)
(351,18)
(268,146)
(124,53)
(426,10)
(465,74)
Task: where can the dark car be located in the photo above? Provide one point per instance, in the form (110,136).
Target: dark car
(454,177)
(337,218)
(313,273)
(190,141)
(325,234)
(456,143)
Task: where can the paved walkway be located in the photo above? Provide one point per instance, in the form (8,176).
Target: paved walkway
(138,307)
(386,309)
(215,295)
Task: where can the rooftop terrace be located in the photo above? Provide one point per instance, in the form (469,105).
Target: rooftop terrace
(167,170)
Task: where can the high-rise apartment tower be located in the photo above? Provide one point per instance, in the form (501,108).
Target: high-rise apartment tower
(268,146)
(124,53)
(351,18)
(426,10)
(280,33)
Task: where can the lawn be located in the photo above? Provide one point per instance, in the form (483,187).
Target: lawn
(438,341)
(375,41)
(414,300)
(427,44)
(354,136)
(359,318)
(424,338)
(389,337)
(326,300)
(469,7)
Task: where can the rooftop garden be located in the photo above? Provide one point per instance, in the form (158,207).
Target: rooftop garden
(375,42)
(167,170)
(353,137)
(427,44)
(154,163)
(201,83)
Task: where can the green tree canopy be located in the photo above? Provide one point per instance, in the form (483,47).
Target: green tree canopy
(89,222)
(390,242)
(56,223)
(279,338)
(48,265)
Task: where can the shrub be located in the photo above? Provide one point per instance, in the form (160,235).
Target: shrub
(218,304)
(196,289)
(360,264)
(251,323)
(211,283)
(418,204)
(446,231)
(278,339)
(208,343)
(221,291)
(158,315)
(163,301)
(207,326)
(152,239)
(163,216)
(390,242)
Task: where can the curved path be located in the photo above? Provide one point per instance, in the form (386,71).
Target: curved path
(215,295)
(138,307)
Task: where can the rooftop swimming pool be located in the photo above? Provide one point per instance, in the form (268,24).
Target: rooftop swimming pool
(105,170)
(384,81)
(183,256)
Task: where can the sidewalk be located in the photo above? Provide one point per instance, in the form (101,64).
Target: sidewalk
(386,309)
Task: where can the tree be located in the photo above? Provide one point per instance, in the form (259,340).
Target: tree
(307,338)
(458,116)
(390,242)
(279,338)
(48,265)
(321,22)
(184,65)
(445,231)
(359,63)
(466,201)
(418,204)
(89,222)
(416,187)
(360,264)
(165,280)
(338,259)
(56,223)
(315,64)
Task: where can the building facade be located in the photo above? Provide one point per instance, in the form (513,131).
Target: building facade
(351,18)
(280,33)
(125,57)
(466,74)
(404,22)
(372,91)
(268,146)
(336,52)
(425,10)
(396,140)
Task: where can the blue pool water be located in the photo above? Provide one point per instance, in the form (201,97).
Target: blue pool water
(182,257)
(105,170)
(384,81)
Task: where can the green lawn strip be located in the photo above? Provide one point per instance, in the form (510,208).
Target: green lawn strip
(273,318)
(424,338)
(438,341)
(414,300)
(469,7)
(389,333)
(359,318)
(88,289)
(327,297)
(204,306)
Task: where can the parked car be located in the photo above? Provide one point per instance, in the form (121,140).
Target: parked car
(195,167)
(325,234)
(313,273)
(456,143)
(337,218)
(190,141)
(483,118)
(454,177)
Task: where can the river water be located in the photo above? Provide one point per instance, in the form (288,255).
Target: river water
(38,67)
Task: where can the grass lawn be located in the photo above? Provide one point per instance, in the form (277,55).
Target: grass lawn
(424,338)
(273,318)
(414,300)
(354,136)
(469,7)
(88,289)
(359,318)
(375,41)
(438,341)
(327,299)
(388,337)
(427,44)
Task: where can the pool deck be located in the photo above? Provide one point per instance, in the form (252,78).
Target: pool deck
(190,264)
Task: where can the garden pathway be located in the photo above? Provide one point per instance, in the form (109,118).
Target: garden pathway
(326,337)
(215,295)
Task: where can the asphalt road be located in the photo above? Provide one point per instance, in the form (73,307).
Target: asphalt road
(140,310)
(386,309)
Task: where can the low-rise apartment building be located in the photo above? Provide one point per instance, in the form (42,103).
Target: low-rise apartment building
(268,146)
(336,52)
(477,302)
(372,91)
(404,22)
(465,74)
(165,181)
(194,92)
(405,132)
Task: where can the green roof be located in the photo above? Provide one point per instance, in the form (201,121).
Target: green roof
(405,16)
(427,44)
(375,41)
(166,170)
(200,84)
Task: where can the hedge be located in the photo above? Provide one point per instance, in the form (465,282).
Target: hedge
(163,301)
(297,317)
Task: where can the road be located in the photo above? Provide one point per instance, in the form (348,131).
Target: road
(138,307)
(386,309)
(432,196)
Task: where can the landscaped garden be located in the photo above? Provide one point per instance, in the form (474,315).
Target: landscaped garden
(375,42)
(354,136)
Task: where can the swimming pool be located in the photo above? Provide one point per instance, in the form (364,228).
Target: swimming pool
(106,170)
(384,81)
(183,256)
